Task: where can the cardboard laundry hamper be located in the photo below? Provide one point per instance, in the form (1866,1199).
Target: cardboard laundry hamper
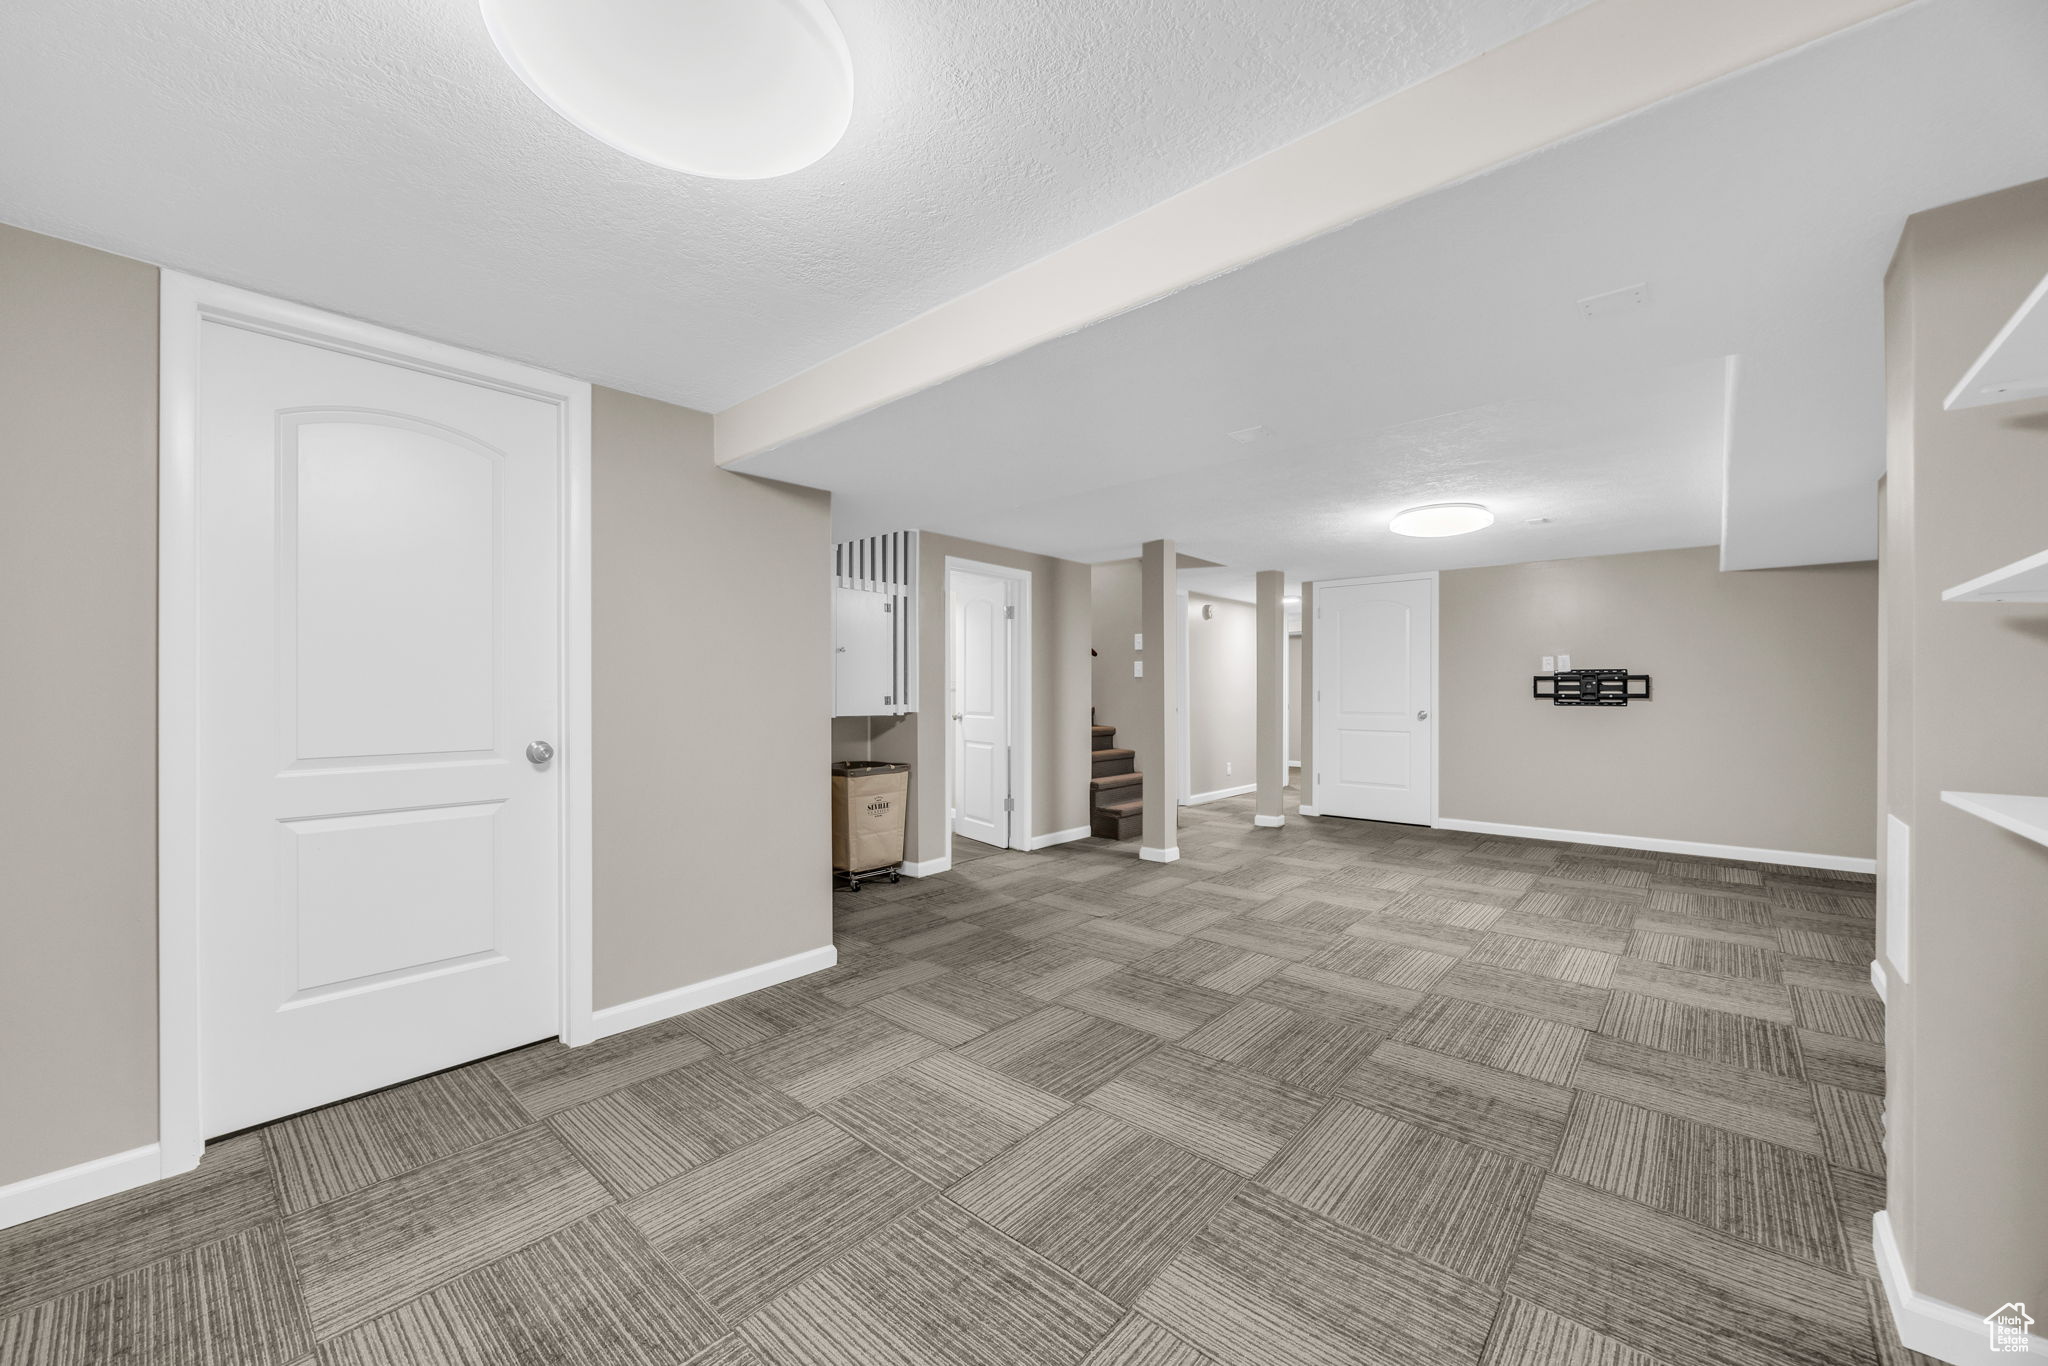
(869,802)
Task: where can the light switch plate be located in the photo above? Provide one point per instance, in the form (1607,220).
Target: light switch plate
(1564,662)
(1138,640)
(1549,665)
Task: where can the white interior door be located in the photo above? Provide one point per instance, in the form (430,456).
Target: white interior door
(1375,682)
(979,620)
(380,608)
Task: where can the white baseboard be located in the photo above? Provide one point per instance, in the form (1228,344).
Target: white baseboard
(1840,863)
(1309,811)
(1079,832)
(1934,1327)
(95,1180)
(661,1006)
(1878,980)
(1158,855)
(1219,794)
(929,867)
(1269,822)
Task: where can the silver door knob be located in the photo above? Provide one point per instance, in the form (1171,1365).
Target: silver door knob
(539,752)
(957,716)
(1422,716)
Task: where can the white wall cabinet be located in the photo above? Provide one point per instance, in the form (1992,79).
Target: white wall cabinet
(874,626)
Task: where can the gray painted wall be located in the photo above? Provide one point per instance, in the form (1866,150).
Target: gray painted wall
(711,855)
(78,385)
(1762,732)
(711,706)
(1966,709)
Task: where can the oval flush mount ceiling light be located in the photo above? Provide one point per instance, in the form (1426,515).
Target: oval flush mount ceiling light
(1441,519)
(732,89)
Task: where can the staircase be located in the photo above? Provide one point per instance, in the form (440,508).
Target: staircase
(1116,792)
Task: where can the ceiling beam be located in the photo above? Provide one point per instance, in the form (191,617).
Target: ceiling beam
(1597,64)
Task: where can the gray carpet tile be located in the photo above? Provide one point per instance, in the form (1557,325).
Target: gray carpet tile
(1699,1032)
(1102,1199)
(1139,1341)
(231,1191)
(1775,1197)
(1773,1108)
(952,1009)
(1544,957)
(1568,1003)
(1852,1125)
(338,1149)
(1679,1292)
(1835,1060)
(655,1130)
(1233,1116)
(1269,1282)
(1215,966)
(1065,1052)
(1763,1000)
(1336,1092)
(1155,1005)
(1509,1040)
(934,1288)
(369,1251)
(1702,954)
(1525,1334)
(1454,1204)
(1513,1115)
(232,1302)
(943,1117)
(741,1229)
(819,1061)
(592,1293)
(1853,1015)
(1308,1050)
(550,1076)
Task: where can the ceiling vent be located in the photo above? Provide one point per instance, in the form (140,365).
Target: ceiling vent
(1622,300)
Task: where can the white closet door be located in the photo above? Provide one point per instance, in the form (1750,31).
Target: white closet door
(1375,665)
(379,577)
(978,607)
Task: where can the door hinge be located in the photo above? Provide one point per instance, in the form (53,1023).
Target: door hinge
(1009,803)
(1009,612)
(888,607)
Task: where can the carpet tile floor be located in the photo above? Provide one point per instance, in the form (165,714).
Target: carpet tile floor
(1328,1094)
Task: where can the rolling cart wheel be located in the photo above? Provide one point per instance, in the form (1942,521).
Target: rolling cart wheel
(894,877)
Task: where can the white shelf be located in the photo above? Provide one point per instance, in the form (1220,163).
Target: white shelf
(2015,365)
(2022,581)
(2022,815)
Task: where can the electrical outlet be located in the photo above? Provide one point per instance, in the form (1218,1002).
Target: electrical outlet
(1226,768)
(1138,640)
(1549,665)
(1137,668)
(1564,662)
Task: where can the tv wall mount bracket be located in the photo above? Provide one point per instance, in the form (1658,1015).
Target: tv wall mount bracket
(1591,688)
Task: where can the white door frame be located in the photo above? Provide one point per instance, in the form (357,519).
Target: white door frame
(1436,677)
(1185,703)
(186,303)
(1020,693)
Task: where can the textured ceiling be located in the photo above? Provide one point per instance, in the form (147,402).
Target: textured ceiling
(1436,352)
(375,157)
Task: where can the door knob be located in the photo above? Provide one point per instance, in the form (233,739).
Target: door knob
(1422,715)
(539,752)
(957,715)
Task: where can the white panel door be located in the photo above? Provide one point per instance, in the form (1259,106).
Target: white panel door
(379,639)
(978,632)
(1375,666)
(863,652)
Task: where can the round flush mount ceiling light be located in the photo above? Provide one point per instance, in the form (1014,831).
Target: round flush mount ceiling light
(732,89)
(1441,519)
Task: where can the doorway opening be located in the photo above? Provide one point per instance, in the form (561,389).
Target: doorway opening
(988,706)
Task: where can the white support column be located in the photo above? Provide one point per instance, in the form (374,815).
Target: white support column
(1159,720)
(1271,748)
